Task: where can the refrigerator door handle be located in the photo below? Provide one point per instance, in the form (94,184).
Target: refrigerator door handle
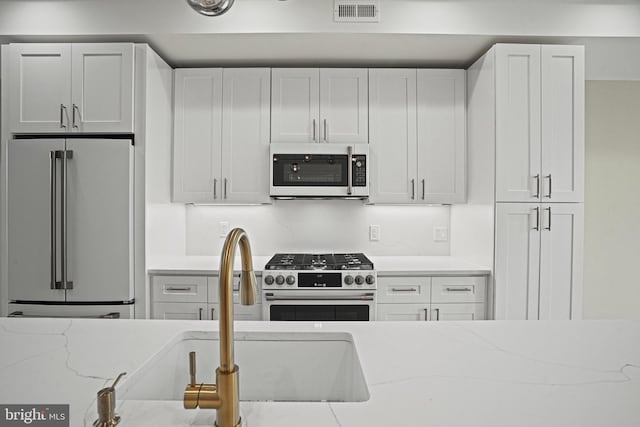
(53,156)
(66,284)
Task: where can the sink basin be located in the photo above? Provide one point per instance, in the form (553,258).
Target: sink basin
(274,366)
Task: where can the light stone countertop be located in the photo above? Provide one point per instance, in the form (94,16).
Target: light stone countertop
(384,265)
(490,373)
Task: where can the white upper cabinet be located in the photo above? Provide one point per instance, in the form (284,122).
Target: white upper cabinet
(221,135)
(319,105)
(563,123)
(539,123)
(417,136)
(344,105)
(295,104)
(102,87)
(245,135)
(392,135)
(441,136)
(539,275)
(197,135)
(80,87)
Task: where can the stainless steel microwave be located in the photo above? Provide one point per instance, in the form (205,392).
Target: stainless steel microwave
(319,170)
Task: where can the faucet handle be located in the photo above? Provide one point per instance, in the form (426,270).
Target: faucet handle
(192,368)
(248,288)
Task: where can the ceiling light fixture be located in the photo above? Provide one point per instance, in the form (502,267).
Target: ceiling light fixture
(210,7)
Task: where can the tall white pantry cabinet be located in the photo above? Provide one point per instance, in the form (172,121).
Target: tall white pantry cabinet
(532,97)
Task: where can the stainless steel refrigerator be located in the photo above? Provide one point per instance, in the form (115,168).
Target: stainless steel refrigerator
(70,227)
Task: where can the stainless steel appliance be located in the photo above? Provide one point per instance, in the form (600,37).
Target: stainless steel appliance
(319,170)
(319,287)
(70,227)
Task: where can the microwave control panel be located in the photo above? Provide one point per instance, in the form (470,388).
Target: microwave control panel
(359,171)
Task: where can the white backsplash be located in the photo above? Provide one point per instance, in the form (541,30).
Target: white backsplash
(320,226)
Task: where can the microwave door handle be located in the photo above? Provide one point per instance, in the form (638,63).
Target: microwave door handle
(349,170)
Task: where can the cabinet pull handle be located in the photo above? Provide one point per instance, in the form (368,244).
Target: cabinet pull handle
(426,314)
(215,186)
(437,314)
(458,289)
(63,111)
(548,227)
(212,311)
(413,189)
(225,188)
(423,188)
(325,130)
(178,288)
(404,289)
(200,313)
(537,227)
(537,178)
(549,178)
(73,116)
(314,130)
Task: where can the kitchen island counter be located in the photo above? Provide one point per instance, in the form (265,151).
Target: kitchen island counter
(492,374)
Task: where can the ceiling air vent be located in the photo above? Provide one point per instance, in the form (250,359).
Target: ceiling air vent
(356,11)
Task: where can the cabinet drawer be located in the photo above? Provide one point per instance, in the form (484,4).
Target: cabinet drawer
(179,289)
(409,290)
(402,312)
(214,291)
(179,311)
(458,289)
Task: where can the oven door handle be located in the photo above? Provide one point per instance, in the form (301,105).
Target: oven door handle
(360,297)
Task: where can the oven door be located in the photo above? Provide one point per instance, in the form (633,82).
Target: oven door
(319,305)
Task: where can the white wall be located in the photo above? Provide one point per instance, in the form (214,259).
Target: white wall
(320,226)
(612,200)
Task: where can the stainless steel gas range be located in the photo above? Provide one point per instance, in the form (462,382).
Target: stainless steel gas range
(319,287)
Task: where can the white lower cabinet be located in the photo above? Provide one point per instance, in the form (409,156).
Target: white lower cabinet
(195,298)
(538,272)
(422,298)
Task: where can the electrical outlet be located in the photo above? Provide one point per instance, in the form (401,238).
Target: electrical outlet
(223,228)
(374,233)
(440,234)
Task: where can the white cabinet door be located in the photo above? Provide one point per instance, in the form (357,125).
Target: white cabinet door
(392,135)
(402,312)
(245,135)
(441,136)
(561,261)
(344,105)
(102,88)
(518,152)
(40,89)
(179,311)
(197,135)
(563,123)
(517,261)
(295,105)
(446,312)
(30,187)
(100,219)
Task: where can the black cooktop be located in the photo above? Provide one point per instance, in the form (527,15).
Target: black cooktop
(354,261)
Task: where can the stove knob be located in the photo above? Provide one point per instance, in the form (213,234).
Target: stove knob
(359,280)
(279,279)
(291,280)
(268,280)
(371,279)
(348,280)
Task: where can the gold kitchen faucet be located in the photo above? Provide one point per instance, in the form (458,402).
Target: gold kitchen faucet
(224,395)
